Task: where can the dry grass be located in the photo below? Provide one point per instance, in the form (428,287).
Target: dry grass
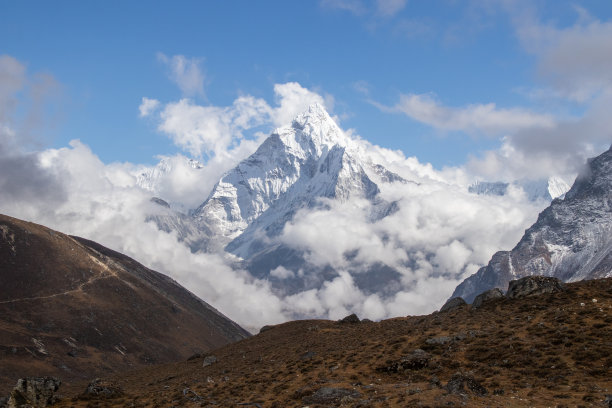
(544,351)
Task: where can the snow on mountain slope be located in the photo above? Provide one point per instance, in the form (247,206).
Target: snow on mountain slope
(331,223)
(546,189)
(571,240)
(293,168)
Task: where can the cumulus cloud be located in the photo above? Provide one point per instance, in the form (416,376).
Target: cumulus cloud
(147,106)
(185,72)
(431,244)
(293,99)
(485,119)
(214,131)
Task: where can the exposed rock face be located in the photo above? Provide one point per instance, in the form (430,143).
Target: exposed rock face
(453,303)
(571,240)
(34,392)
(66,301)
(487,296)
(534,285)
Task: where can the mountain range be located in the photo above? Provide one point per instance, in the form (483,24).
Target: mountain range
(308,165)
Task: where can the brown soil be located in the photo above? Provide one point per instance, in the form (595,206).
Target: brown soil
(552,350)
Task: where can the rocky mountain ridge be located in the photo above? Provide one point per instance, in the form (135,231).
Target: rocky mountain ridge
(571,239)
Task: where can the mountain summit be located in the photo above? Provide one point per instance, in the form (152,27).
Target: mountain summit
(296,167)
(571,240)
(292,168)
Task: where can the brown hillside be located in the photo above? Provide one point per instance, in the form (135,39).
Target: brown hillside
(551,350)
(74,309)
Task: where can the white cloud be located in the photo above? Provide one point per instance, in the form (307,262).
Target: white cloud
(574,64)
(281,272)
(102,202)
(185,72)
(432,245)
(575,60)
(485,119)
(293,99)
(216,131)
(147,106)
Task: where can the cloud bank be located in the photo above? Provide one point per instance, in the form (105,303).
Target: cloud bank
(432,244)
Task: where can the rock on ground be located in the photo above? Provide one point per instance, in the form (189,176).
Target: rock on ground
(34,392)
(534,285)
(487,296)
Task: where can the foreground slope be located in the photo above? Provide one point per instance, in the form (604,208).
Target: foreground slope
(74,309)
(571,240)
(548,350)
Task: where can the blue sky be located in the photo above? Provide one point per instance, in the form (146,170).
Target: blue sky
(104,57)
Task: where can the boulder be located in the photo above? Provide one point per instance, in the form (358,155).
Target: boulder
(458,382)
(34,392)
(209,360)
(487,296)
(350,319)
(329,395)
(416,360)
(534,285)
(265,328)
(102,389)
(453,303)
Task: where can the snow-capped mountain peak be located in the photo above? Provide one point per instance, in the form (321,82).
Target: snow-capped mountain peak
(292,167)
(313,131)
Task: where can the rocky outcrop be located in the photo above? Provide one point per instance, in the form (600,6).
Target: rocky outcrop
(34,392)
(102,389)
(458,383)
(487,296)
(534,285)
(453,303)
(351,319)
(416,360)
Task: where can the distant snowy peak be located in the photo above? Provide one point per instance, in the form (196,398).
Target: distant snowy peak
(149,178)
(546,189)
